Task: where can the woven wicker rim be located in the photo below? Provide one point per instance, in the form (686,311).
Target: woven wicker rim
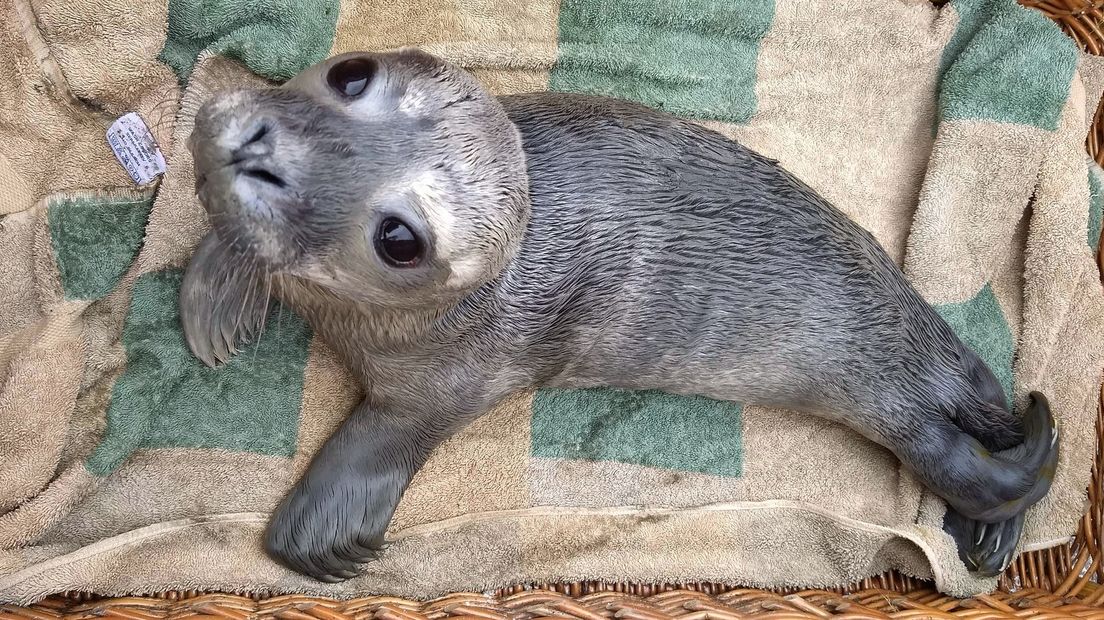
(1061,582)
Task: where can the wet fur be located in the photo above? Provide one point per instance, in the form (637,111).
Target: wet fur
(656,255)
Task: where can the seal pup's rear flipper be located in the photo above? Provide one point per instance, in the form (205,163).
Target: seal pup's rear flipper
(223,302)
(1014,479)
(987,538)
(985,548)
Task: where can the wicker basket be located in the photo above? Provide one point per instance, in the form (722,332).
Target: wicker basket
(1061,582)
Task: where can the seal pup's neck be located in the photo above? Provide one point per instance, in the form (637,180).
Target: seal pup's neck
(353,327)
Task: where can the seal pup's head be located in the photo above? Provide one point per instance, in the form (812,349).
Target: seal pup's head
(392,179)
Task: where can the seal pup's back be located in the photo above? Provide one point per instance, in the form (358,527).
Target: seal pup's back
(724,271)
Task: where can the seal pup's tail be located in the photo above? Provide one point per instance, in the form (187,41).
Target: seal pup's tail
(985,415)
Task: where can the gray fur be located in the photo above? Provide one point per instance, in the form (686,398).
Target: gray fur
(585,242)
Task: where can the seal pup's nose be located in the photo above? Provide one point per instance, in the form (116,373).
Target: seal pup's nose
(252,157)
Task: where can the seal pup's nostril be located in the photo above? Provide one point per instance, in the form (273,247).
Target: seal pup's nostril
(257,141)
(258,134)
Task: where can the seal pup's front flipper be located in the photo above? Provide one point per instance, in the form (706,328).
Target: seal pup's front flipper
(223,302)
(336,515)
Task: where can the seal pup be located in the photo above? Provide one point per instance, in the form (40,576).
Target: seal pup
(454,247)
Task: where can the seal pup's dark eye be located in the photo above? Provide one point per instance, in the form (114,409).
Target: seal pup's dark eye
(397,244)
(350,77)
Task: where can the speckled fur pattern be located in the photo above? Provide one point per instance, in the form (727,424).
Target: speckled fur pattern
(576,241)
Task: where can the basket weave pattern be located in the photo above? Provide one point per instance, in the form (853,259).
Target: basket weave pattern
(1061,582)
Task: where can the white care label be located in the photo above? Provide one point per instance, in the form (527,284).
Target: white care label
(135,148)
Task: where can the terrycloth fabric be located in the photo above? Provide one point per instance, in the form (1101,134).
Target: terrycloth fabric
(954,135)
